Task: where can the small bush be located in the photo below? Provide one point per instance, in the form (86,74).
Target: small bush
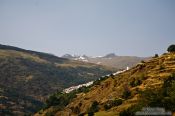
(135,82)
(142,61)
(82,114)
(171,48)
(83,89)
(126,93)
(112,103)
(60,99)
(161,67)
(118,102)
(156,55)
(90,113)
(49,114)
(126,112)
(94,107)
(76,110)
(107,106)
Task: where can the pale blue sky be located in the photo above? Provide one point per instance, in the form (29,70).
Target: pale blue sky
(92,27)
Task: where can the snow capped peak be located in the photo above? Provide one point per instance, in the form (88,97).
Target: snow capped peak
(81,57)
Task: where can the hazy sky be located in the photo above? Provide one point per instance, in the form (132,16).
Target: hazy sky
(92,27)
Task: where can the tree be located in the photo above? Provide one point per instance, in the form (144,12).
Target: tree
(156,55)
(94,108)
(171,48)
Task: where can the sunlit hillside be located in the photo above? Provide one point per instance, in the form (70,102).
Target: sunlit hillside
(150,83)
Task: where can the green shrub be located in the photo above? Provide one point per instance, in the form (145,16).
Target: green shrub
(82,114)
(135,82)
(107,106)
(97,82)
(156,55)
(126,93)
(161,67)
(112,103)
(126,112)
(118,102)
(83,89)
(171,48)
(49,114)
(94,107)
(142,61)
(90,113)
(76,110)
(60,99)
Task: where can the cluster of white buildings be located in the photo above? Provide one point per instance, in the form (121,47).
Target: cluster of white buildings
(118,72)
(68,90)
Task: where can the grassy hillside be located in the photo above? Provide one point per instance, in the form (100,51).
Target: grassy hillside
(150,83)
(28,77)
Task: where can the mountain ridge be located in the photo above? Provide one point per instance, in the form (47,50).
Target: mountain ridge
(110,60)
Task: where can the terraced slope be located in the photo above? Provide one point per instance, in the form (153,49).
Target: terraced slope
(150,83)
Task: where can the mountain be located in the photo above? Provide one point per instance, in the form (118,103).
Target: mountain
(149,84)
(110,55)
(68,56)
(110,60)
(27,78)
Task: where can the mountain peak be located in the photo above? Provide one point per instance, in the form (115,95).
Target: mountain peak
(110,55)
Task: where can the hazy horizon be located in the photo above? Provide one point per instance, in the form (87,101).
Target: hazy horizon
(91,27)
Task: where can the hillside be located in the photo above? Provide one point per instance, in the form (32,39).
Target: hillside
(150,83)
(27,78)
(110,60)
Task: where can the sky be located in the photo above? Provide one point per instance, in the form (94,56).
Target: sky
(91,27)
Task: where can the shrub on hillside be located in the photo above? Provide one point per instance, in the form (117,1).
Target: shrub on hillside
(94,108)
(83,89)
(135,82)
(161,67)
(112,103)
(60,99)
(171,48)
(126,92)
(156,55)
(98,82)
(126,112)
(90,113)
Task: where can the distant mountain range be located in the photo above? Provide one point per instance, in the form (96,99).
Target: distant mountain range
(27,78)
(110,60)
